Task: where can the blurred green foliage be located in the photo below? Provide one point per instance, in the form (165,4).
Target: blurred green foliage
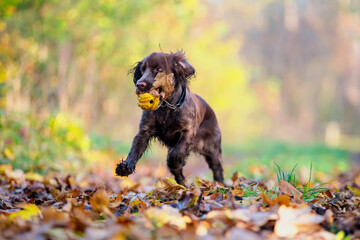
(105,143)
(41,145)
(59,143)
(74,56)
(257,64)
(257,158)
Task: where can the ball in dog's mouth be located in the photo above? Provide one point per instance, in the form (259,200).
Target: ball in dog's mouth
(147,101)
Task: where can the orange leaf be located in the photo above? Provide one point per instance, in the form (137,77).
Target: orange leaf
(234,177)
(281,200)
(286,188)
(99,200)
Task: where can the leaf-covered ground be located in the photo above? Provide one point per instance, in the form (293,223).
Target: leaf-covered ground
(101,206)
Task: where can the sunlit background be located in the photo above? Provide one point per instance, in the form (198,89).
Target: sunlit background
(282,76)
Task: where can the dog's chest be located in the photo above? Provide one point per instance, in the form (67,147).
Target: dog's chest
(169,128)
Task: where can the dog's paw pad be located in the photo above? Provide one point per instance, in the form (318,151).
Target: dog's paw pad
(123,169)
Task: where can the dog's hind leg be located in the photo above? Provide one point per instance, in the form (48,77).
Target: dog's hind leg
(208,144)
(213,159)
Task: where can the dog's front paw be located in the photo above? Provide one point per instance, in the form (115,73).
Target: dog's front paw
(123,169)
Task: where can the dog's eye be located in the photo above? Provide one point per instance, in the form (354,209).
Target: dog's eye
(159,69)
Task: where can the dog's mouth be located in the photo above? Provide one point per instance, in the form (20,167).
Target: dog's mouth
(162,87)
(155,92)
(159,91)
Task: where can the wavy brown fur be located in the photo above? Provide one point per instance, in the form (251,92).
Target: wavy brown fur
(192,127)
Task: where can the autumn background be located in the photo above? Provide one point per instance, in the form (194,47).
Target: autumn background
(282,76)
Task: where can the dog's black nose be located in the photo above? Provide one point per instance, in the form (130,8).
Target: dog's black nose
(141,86)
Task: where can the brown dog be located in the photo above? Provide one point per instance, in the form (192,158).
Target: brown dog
(183,122)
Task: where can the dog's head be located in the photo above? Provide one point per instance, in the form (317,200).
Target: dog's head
(146,70)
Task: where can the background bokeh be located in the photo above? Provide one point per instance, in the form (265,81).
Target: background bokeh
(282,76)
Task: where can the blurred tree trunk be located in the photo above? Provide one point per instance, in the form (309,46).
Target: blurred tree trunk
(16,99)
(90,81)
(2,86)
(65,51)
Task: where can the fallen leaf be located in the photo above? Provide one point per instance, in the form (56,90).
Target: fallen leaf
(27,212)
(252,216)
(281,200)
(202,228)
(234,177)
(51,215)
(100,200)
(296,220)
(33,177)
(166,215)
(286,188)
(80,219)
(238,233)
(60,196)
(168,182)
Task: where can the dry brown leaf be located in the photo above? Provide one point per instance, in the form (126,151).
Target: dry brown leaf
(80,219)
(238,233)
(297,220)
(286,188)
(234,177)
(100,200)
(60,196)
(58,217)
(143,210)
(281,200)
(249,215)
(168,182)
(166,82)
(166,215)
(196,191)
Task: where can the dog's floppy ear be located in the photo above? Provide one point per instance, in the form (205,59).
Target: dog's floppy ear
(136,72)
(182,68)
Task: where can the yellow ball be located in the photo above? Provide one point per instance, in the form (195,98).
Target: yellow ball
(146,101)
